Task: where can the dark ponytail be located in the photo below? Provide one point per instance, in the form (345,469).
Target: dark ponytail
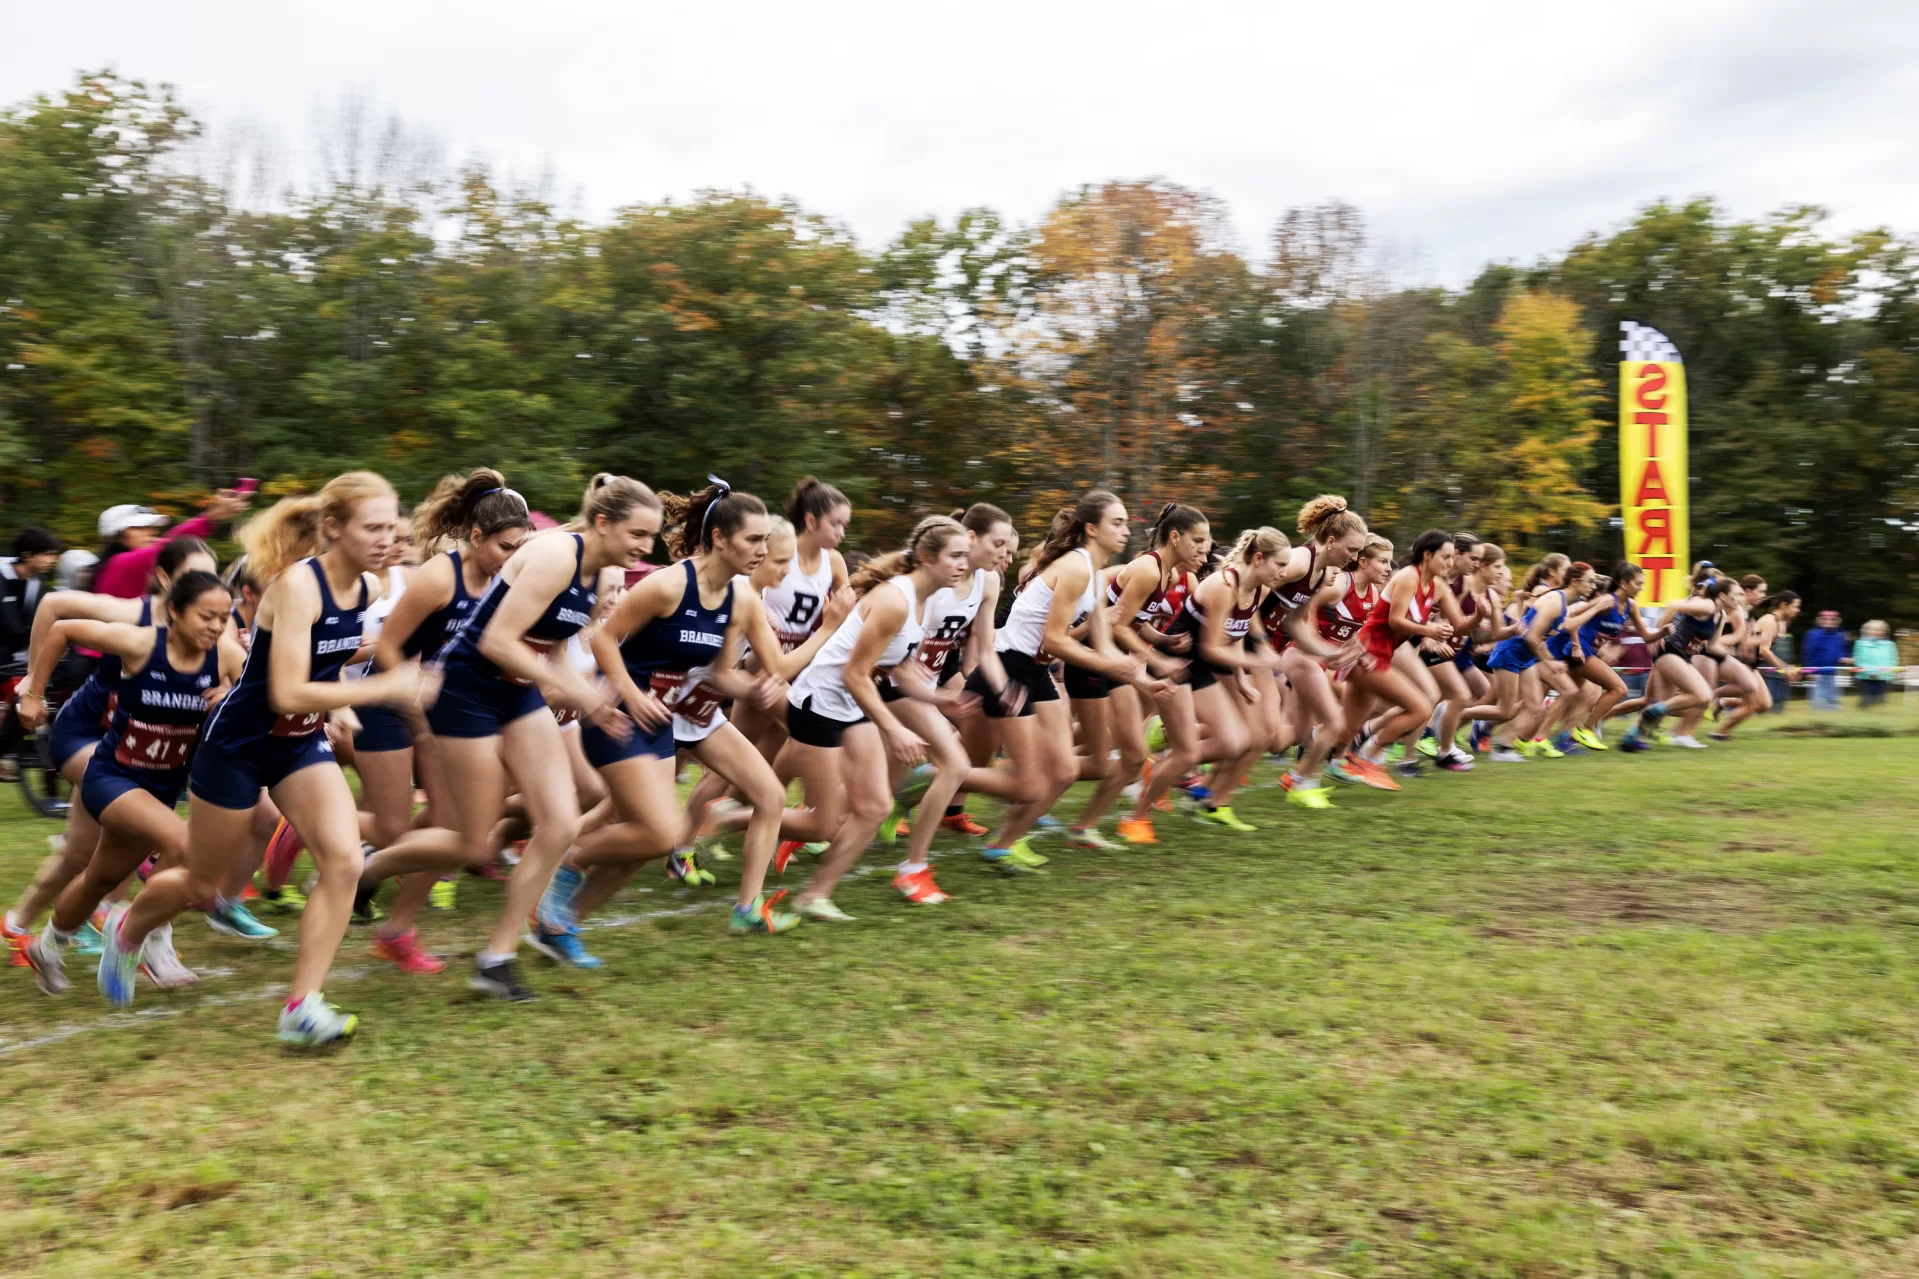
(715,511)
(1068,531)
(1174,517)
(813,497)
(461,503)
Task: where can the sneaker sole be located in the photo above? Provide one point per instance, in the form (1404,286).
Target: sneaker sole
(504,994)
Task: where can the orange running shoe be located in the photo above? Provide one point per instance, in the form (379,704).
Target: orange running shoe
(962,823)
(784,854)
(1370,773)
(403,951)
(283,849)
(1138,830)
(16,945)
(919,888)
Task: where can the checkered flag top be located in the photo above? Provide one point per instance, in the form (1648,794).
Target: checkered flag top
(1643,344)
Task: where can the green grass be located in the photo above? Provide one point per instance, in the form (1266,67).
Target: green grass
(1609,1016)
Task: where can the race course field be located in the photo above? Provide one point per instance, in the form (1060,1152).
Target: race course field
(1603,1016)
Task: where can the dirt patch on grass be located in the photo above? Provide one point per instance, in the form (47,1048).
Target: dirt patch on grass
(1646,900)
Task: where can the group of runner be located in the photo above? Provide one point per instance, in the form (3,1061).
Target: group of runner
(520,703)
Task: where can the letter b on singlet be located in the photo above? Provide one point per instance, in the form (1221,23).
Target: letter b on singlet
(805,609)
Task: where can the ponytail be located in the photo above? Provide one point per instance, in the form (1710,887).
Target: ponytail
(1325,519)
(1067,531)
(1174,517)
(813,497)
(460,503)
(715,510)
(1264,540)
(173,554)
(981,518)
(930,538)
(294,527)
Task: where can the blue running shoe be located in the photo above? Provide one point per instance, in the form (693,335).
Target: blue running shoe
(561,948)
(117,964)
(556,903)
(1565,745)
(1633,743)
(86,940)
(229,916)
(1006,861)
(1477,740)
(1048,822)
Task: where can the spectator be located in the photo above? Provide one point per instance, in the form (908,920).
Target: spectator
(23,580)
(133,544)
(1875,662)
(1823,651)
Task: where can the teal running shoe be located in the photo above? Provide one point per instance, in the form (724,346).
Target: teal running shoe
(86,940)
(229,916)
(117,963)
(555,911)
(561,948)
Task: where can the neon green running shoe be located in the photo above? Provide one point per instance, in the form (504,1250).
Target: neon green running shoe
(890,828)
(1395,752)
(1546,750)
(1309,797)
(1429,747)
(288,901)
(763,916)
(1589,739)
(1023,855)
(817,847)
(1222,816)
(1155,735)
(441,896)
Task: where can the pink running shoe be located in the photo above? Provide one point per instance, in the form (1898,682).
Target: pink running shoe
(403,951)
(283,849)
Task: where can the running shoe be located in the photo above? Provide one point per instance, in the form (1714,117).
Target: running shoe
(500,980)
(1368,773)
(713,846)
(287,900)
(919,888)
(763,916)
(1632,743)
(1138,830)
(1022,850)
(1195,790)
(1720,737)
(1309,795)
(1048,822)
(1395,752)
(17,939)
(914,787)
(365,909)
(49,969)
(823,910)
(1289,779)
(556,903)
(889,831)
(1565,745)
(1525,746)
(403,951)
(962,823)
(1003,861)
(161,963)
(1155,735)
(235,920)
(1456,761)
(784,854)
(86,938)
(313,1021)
(1223,816)
(683,867)
(816,848)
(562,947)
(1546,750)
(1408,768)
(1663,737)
(1507,755)
(1090,837)
(1429,747)
(117,963)
(1587,738)
(1480,740)
(1686,741)
(442,894)
(1338,770)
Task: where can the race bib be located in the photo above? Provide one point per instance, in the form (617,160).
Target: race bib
(694,703)
(297,725)
(540,648)
(159,748)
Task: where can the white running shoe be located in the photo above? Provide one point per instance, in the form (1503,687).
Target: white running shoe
(314,1021)
(1688,741)
(823,910)
(161,963)
(1507,755)
(49,968)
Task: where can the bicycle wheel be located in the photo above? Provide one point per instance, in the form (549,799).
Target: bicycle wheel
(48,793)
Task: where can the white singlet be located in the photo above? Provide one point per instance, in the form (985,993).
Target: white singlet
(947,622)
(1025,629)
(793,607)
(824,679)
(373,621)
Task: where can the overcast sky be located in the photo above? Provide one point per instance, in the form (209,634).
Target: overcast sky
(1466,132)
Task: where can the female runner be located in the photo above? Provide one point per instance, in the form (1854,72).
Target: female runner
(494,717)
(671,649)
(487,523)
(1608,614)
(169,676)
(1741,688)
(1144,599)
(1478,592)
(1403,612)
(1682,690)
(76,733)
(956,621)
(841,730)
(1512,710)
(1219,616)
(1313,580)
(267,733)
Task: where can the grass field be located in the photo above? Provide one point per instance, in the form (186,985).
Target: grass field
(1609,1016)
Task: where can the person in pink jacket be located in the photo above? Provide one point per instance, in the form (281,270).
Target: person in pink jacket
(133,541)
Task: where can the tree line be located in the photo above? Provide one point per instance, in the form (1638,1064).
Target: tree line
(160,336)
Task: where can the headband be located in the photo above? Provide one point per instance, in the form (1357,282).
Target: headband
(725,491)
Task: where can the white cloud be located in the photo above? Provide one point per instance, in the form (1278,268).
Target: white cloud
(1465,132)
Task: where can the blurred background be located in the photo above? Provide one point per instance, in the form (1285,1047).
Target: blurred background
(1382,258)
